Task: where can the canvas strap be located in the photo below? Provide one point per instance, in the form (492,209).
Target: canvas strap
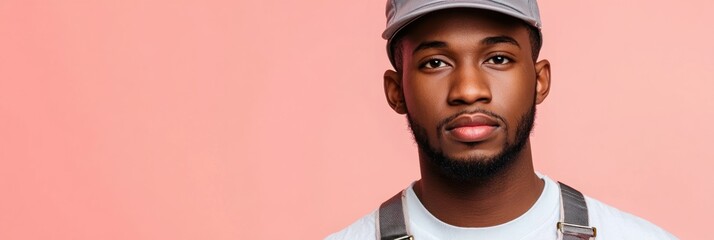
(573,224)
(392,224)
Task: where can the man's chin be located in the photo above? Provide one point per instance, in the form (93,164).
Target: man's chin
(473,154)
(467,163)
(470,166)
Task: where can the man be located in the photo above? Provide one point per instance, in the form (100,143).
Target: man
(467,77)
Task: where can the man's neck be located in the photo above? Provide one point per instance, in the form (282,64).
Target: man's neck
(485,202)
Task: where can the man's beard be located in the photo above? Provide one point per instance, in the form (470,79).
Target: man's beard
(475,167)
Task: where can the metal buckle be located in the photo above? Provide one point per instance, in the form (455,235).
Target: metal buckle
(407,237)
(577,230)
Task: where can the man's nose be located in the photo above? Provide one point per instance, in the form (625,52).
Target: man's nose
(469,86)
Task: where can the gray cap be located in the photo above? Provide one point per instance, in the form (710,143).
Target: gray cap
(402,12)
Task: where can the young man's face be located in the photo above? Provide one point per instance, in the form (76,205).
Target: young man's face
(469,85)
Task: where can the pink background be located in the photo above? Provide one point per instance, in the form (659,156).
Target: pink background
(133,119)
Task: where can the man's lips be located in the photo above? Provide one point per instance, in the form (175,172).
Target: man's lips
(472,127)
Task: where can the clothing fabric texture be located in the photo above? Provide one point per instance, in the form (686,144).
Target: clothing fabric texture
(539,222)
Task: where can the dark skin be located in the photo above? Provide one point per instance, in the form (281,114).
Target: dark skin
(464,59)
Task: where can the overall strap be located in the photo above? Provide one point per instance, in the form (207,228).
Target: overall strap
(573,224)
(392,224)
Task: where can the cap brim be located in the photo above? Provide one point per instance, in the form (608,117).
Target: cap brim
(395,27)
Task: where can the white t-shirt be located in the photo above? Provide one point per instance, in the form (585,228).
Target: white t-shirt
(539,222)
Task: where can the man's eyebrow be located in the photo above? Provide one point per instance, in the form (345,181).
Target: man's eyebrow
(500,39)
(486,41)
(429,44)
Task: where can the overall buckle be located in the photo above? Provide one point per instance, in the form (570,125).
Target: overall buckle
(577,230)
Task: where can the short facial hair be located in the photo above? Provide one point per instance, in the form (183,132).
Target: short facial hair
(477,167)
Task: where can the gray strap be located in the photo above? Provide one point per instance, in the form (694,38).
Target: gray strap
(574,224)
(391,220)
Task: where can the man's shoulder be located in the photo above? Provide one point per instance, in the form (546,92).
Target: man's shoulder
(362,229)
(612,223)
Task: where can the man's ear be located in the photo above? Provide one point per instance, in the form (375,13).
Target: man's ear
(393,91)
(542,69)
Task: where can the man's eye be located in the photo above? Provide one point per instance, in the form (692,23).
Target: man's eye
(498,60)
(434,63)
